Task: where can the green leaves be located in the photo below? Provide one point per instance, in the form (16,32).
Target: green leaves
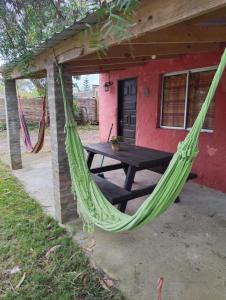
(116,20)
(25,25)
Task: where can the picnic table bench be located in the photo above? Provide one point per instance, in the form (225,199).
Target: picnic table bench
(131,159)
(118,195)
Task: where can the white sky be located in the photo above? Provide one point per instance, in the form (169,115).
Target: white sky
(93,79)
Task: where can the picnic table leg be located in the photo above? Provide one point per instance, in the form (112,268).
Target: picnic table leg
(128,185)
(90,159)
(125,168)
(177,200)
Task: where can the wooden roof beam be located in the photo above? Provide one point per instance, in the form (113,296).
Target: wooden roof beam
(126,51)
(99,64)
(103,61)
(182,34)
(101,68)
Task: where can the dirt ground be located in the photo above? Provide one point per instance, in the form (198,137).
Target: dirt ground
(88,134)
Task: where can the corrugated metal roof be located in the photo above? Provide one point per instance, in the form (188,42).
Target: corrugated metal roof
(66,33)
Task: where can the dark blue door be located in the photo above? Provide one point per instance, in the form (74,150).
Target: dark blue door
(127,110)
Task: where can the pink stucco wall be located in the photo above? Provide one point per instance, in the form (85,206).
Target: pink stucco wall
(211,163)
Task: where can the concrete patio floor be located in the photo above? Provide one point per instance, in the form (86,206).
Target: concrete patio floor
(186,245)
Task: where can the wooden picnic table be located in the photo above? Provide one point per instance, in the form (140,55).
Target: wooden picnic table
(131,159)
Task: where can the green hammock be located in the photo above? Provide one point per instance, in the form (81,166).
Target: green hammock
(92,205)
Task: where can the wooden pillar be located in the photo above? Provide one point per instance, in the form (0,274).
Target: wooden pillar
(65,204)
(13,125)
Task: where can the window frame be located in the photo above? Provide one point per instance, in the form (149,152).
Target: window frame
(188,72)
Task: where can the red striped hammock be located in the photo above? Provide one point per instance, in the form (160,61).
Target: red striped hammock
(24,128)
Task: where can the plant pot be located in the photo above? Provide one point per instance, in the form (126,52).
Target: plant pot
(115,147)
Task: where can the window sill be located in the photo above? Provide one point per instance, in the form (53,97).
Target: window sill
(186,129)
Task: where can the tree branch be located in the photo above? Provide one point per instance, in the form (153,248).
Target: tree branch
(57,10)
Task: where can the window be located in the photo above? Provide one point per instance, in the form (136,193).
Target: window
(182,97)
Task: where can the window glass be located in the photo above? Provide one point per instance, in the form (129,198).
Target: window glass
(199,84)
(179,112)
(174,89)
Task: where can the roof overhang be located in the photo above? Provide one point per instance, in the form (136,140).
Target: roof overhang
(162,29)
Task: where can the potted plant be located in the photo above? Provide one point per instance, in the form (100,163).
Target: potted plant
(115,143)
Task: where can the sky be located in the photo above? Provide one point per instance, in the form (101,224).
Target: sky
(93,79)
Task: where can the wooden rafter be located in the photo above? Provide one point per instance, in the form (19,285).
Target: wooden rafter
(127,51)
(130,61)
(102,68)
(191,34)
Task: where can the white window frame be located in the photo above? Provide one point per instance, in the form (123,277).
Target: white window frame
(188,72)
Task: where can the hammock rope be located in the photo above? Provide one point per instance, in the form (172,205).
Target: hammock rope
(41,131)
(92,205)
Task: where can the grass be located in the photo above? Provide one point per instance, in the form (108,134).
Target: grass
(34,126)
(88,127)
(31,126)
(2,126)
(26,235)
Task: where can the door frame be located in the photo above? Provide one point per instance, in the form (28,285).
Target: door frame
(120,106)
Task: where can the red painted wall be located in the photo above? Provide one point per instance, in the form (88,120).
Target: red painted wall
(211,163)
